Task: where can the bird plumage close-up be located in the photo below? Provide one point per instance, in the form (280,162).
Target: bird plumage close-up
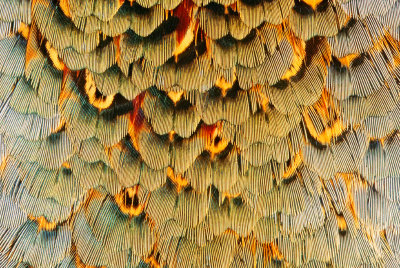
(199,133)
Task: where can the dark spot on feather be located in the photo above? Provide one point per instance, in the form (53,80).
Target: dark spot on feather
(348,26)
(214,93)
(138,9)
(62,129)
(374,144)
(131,38)
(233,91)
(163,138)
(66,171)
(342,136)
(237,201)
(358,60)
(225,153)
(232,13)
(104,41)
(216,8)
(54,137)
(281,84)
(300,73)
(337,65)
(188,189)
(115,110)
(178,140)
(41,41)
(97,94)
(302,8)
(140,218)
(154,91)
(342,232)
(135,201)
(250,36)
(289,180)
(214,193)
(80,81)
(120,100)
(183,105)
(170,186)
(312,48)
(161,96)
(278,263)
(191,53)
(130,70)
(252,2)
(167,27)
(392,138)
(205,155)
(216,140)
(165,100)
(227,41)
(311,139)
(239,161)
(323,6)
(127,199)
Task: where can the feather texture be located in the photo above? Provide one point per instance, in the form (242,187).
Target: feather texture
(204,133)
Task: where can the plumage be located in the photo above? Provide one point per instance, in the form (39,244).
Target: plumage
(199,133)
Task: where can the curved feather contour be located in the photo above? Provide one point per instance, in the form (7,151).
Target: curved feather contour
(199,133)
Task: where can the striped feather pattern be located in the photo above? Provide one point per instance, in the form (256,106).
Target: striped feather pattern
(204,133)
